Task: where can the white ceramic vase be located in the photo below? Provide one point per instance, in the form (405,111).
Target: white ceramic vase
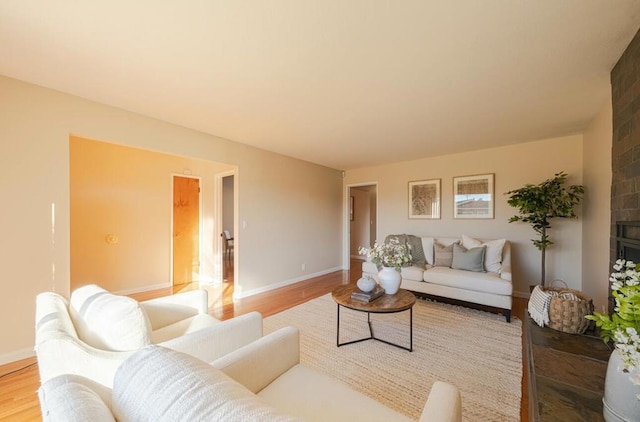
(390,279)
(620,403)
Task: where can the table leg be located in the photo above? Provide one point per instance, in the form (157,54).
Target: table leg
(338,328)
(411,329)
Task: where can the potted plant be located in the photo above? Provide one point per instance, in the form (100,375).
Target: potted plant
(622,383)
(537,204)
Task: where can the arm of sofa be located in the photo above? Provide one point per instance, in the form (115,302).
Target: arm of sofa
(256,365)
(213,342)
(166,310)
(60,353)
(505,272)
(74,398)
(443,405)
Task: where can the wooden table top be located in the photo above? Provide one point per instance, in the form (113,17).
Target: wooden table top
(400,301)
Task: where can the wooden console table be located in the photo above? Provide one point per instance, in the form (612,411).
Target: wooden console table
(566,374)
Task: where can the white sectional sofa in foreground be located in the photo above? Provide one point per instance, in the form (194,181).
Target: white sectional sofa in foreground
(489,285)
(262,381)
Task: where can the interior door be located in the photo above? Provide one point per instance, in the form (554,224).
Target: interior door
(186,229)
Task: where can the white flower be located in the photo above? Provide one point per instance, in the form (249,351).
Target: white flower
(391,254)
(623,327)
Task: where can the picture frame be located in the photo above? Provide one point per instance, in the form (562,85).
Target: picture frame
(351,206)
(424,199)
(473,196)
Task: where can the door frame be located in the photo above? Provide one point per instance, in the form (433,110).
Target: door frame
(346,258)
(189,176)
(218,251)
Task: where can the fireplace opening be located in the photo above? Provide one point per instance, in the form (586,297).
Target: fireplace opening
(628,240)
(627,247)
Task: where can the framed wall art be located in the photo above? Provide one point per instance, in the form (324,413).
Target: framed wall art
(473,196)
(424,199)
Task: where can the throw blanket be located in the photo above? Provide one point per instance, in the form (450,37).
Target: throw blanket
(414,243)
(539,305)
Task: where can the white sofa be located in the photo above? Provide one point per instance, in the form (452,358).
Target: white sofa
(262,381)
(493,287)
(95,331)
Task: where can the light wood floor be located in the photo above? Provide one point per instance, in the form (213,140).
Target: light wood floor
(19,380)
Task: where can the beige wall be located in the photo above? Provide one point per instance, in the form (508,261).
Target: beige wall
(128,192)
(292,209)
(513,166)
(597,211)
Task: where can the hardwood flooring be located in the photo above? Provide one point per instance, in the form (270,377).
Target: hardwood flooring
(19,381)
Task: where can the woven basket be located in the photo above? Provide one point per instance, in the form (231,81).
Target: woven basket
(568,315)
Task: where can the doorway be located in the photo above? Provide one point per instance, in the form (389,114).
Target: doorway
(363,218)
(186,230)
(228,226)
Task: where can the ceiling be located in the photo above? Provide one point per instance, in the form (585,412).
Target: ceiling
(342,83)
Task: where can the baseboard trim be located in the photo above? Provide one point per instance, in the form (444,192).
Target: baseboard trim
(142,289)
(241,295)
(16,355)
(523,295)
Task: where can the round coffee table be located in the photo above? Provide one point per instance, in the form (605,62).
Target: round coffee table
(386,304)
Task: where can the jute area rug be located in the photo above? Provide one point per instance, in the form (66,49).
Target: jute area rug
(478,352)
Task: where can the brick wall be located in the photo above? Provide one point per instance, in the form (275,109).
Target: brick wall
(625,95)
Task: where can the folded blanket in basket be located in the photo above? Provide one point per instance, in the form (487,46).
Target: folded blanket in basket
(539,305)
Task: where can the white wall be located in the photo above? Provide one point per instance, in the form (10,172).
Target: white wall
(292,209)
(597,211)
(513,166)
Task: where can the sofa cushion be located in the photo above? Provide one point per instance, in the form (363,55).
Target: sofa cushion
(466,280)
(468,259)
(159,384)
(107,321)
(443,254)
(312,396)
(72,398)
(412,273)
(493,255)
(183,327)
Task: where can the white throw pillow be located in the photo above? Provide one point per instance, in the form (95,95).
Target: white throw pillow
(493,254)
(160,384)
(427,247)
(107,321)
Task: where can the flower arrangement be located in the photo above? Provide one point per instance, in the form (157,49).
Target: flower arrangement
(623,325)
(390,254)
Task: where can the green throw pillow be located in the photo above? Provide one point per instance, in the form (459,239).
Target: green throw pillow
(468,259)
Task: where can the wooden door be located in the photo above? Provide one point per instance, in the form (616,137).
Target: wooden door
(186,229)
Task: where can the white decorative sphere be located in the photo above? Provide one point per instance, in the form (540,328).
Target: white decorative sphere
(366,284)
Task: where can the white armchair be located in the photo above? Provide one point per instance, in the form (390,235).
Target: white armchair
(94,332)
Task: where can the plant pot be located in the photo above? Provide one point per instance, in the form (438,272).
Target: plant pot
(390,279)
(620,401)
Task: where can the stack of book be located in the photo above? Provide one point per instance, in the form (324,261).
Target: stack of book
(366,297)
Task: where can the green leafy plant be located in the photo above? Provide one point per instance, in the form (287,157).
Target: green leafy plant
(537,204)
(623,325)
